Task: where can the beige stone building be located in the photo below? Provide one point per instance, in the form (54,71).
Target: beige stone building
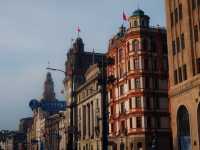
(183,25)
(89,112)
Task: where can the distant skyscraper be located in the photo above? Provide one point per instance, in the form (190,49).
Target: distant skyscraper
(183,25)
(138,100)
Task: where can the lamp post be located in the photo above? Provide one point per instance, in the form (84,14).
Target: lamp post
(103,80)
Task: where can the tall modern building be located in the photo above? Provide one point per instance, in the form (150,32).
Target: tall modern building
(183,25)
(138,99)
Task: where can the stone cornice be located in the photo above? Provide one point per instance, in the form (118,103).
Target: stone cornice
(185,86)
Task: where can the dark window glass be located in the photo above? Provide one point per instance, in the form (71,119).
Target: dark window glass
(180,74)
(180,12)
(129,65)
(136,63)
(130,103)
(138,102)
(121,90)
(175,77)
(129,84)
(184,72)
(176,15)
(131,123)
(182,41)
(174,47)
(198,65)
(137,83)
(178,44)
(196,36)
(172,19)
(138,122)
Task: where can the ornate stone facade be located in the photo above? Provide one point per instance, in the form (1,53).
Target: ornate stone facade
(138,99)
(183,26)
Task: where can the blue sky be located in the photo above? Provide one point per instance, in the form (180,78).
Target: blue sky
(33,32)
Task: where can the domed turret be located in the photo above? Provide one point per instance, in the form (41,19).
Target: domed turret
(139,19)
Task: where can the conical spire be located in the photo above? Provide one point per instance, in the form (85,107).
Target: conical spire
(49,93)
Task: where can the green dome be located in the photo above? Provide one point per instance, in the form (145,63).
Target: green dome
(138,12)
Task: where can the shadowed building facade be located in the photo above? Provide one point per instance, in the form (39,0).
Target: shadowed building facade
(183,25)
(138,99)
(78,61)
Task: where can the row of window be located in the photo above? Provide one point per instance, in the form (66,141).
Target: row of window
(180,74)
(178,44)
(176,15)
(151,122)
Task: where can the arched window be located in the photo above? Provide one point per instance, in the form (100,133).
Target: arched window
(183,129)
(135,45)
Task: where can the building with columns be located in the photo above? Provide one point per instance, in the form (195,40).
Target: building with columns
(77,63)
(139,116)
(183,26)
(89,111)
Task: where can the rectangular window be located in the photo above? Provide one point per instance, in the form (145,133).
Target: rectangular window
(129,85)
(176,15)
(130,103)
(175,77)
(172,19)
(129,65)
(136,64)
(138,102)
(138,122)
(123,107)
(196,36)
(121,89)
(178,44)
(180,12)
(174,47)
(182,41)
(198,65)
(131,123)
(137,83)
(180,74)
(184,72)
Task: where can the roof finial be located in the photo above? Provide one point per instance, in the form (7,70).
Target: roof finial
(78,30)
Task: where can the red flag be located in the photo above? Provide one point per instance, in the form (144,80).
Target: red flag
(78,29)
(125,18)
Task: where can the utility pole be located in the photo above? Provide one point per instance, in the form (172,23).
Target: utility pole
(103,80)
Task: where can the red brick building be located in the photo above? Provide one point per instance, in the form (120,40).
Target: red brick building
(138,99)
